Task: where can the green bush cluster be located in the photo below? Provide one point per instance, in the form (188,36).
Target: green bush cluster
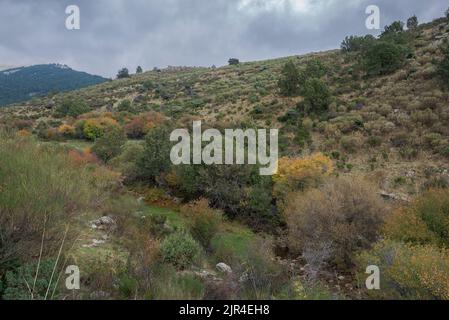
(71,107)
(180,249)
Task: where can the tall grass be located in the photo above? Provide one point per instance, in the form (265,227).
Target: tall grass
(40,190)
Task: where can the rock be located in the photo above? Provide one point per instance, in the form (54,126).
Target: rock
(341,278)
(223,267)
(244,277)
(104,223)
(395,197)
(95,243)
(99,295)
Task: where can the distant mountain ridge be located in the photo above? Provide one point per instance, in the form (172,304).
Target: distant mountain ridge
(23,83)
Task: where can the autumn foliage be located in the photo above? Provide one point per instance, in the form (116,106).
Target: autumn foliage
(300,173)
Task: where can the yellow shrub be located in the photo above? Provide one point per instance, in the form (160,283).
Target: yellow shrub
(408,272)
(95,127)
(424,221)
(66,130)
(300,173)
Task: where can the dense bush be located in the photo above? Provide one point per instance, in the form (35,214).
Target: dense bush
(395,27)
(314,69)
(289,81)
(180,249)
(298,174)
(126,161)
(203,221)
(332,223)
(384,57)
(317,96)
(94,128)
(123,73)
(140,125)
(407,272)
(357,44)
(19,283)
(71,107)
(262,277)
(109,145)
(425,221)
(125,106)
(412,23)
(155,159)
(233,61)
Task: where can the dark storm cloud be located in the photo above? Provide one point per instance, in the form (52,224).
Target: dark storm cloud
(116,33)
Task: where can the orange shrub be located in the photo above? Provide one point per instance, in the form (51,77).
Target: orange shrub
(82,158)
(66,130)
(23,133)
(139,126)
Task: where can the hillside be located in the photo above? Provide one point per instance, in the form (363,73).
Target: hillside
(363,178)
(397,121)
(24,83)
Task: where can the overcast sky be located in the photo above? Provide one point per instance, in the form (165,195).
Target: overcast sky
(127,33)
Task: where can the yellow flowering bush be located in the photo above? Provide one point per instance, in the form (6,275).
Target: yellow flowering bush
(300,173)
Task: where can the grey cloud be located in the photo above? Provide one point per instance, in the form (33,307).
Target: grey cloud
(117,33)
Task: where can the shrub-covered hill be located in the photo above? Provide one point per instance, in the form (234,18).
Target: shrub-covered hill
(21,84)
(357,125)
(389,121)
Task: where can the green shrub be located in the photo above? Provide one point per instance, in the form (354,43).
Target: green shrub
(180,249)
(126,161)
(71,107)
(425,221)
(155,158)
(412,23)
(125,105)
(395,27)
(19,282)
(233,61)
(203,221)
(263,277)
(123,73)
(314,69)
(357,44)
(127,286)
(407,272)
(384,57)
(317,96)
(110,144)
(289,81)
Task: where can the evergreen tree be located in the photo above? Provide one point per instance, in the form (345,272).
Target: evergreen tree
(123,73)
(412,23)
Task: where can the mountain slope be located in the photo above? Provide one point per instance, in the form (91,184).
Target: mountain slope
(395,125)
(21,84)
